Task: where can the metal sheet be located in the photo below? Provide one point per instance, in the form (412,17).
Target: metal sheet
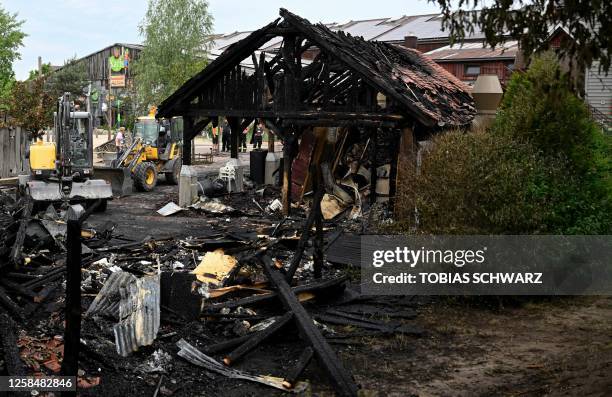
(139,313)
(136,303)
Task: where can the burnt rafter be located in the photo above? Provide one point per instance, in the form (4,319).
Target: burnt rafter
(345,77)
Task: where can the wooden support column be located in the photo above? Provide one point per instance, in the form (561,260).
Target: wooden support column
(312,216)
(188,133)
(72,333)
(288,150)
(373,164)
(270,141)
(317,186)
(393,172)
(234,124)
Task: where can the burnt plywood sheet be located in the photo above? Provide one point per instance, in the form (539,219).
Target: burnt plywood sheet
(345,250)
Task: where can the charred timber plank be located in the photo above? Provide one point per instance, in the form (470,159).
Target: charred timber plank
(386,328)
(15,257)
(257,339)
(8,339)
(18,288)
(226,345)
(312,287)
(342,380)
(47,278)
(313,115)
(293,375)
(10,305)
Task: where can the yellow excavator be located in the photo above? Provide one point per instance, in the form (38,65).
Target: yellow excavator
(62,171)
(155,149)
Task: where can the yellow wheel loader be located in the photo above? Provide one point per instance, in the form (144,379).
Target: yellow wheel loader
(62,171)
(155,150)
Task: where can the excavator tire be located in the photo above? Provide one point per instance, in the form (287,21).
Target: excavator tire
(145,177)
(173,177)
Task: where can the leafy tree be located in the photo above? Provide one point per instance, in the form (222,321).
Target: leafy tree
(11,38)
(72,77)
(175,35)
(46,69)
(589,22)
(30,106)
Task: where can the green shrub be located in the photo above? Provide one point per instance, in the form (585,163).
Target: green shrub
(544,167)
(478,183)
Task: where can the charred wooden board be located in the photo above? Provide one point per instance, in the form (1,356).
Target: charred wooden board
(341,379)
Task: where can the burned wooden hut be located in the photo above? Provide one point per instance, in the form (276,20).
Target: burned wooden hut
(358,107)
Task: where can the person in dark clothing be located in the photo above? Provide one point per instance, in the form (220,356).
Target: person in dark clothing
(226,134)
(258,135)
(242,144)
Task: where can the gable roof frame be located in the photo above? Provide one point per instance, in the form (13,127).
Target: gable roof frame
(440,99)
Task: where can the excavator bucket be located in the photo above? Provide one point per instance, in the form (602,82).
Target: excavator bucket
(92,189)
(120,179)
(44,191)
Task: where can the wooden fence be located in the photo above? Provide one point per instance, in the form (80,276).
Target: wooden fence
(13,146)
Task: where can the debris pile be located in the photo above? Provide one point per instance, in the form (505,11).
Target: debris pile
(211,300)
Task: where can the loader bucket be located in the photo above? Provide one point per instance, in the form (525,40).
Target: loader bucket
(120,179)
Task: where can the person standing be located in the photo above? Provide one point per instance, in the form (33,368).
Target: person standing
(258,135)
(119,141)
(215,139)
(242,145)
(226,136)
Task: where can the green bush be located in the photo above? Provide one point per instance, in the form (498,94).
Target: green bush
(478,183)
(543,167)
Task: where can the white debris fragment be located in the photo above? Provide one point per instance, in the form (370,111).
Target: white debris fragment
(169,209)
(263,324)
(274,206)
(158,362)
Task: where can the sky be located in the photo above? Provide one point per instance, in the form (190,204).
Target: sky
(60,29)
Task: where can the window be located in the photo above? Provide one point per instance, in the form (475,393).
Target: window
(472,70)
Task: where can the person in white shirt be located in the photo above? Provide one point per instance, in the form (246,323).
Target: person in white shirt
(119,141)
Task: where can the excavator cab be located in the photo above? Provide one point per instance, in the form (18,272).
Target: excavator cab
(61,171)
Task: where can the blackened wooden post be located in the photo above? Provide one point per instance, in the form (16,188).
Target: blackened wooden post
(288,144)
(188,133)
(394,165)
(373,165)
(317,186)
(234,124)
(72,332)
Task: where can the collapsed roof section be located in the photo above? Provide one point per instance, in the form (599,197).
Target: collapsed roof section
(368,80)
